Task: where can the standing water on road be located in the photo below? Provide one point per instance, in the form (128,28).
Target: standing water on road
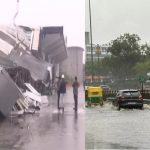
(48,130)
(108,128)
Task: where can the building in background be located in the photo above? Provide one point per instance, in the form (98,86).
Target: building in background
(103,49)
(73,65)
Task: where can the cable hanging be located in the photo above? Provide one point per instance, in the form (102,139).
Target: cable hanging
(14,20)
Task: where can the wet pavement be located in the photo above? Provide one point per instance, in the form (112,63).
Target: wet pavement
(108,128)
(48,129)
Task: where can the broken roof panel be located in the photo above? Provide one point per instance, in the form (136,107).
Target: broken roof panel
(13,31)
(6,37)
(37,68)
(5,61)
(52,42)
(60,57)
(9,93)
(5,47)
(8,34)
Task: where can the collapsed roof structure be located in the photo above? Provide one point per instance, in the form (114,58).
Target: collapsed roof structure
(24,49)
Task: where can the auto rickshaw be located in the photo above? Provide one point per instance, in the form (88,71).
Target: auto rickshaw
(93,96)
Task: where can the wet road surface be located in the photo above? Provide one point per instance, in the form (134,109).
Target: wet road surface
(47,130)
(108,128)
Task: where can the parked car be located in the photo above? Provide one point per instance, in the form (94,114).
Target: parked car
(129,98)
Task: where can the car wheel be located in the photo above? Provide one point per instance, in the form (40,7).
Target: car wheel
(141,107)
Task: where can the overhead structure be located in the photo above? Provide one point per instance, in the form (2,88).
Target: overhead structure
(52,43)
(37,68)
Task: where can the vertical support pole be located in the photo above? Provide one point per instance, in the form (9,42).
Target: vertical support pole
(91,38)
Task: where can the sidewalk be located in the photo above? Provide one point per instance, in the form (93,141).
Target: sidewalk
(47,130)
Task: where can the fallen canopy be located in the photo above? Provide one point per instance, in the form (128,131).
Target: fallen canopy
(9,93)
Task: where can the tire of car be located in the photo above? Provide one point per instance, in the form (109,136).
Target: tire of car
(141,107)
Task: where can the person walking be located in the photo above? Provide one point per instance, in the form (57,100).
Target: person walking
(75,86)
(62,90)
(58,91)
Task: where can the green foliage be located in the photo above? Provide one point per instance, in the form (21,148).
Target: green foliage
(125,45)
(142,68)
(98,68)
(126,53)
(128,59)
(145,49)
(89,67)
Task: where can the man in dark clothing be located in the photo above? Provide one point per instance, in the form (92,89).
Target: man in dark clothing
(62,90)
(75,86)
(58,91)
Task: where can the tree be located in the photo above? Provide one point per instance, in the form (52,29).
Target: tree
(126,53)
(145,52)
(142,68)
(89,67)
(98,68)
(106,65)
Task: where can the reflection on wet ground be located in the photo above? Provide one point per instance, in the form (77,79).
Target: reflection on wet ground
(49,129)
(108,128)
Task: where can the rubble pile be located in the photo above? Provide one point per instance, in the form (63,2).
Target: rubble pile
(31,90)
(21,76)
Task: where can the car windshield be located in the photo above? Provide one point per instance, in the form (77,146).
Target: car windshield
(131,93)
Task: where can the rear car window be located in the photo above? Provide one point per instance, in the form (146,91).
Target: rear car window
(131,93)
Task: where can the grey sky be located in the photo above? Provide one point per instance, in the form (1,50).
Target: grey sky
(34,13)
(111,18)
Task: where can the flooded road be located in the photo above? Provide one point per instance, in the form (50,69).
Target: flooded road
(108,128)
(47,130)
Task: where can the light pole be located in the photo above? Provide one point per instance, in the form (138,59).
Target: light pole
(91,38)
(98,53)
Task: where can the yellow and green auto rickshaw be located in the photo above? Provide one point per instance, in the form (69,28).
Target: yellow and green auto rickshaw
(94,96)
